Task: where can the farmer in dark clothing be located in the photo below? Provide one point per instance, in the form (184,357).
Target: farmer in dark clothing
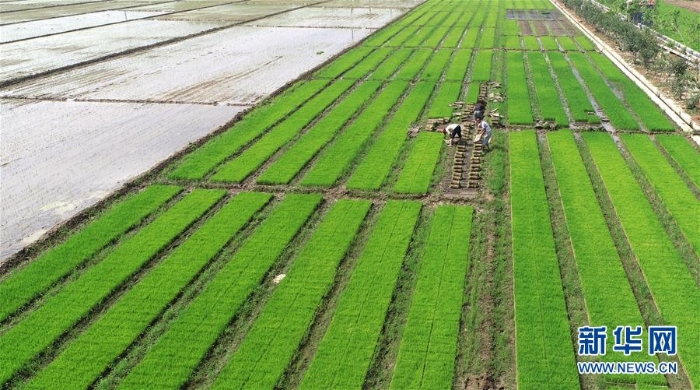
(479,109)
(453,130)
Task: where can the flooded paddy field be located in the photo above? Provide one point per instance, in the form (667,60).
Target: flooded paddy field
(90,101)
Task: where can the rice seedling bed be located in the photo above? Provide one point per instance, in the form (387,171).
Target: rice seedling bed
(173,358)
(361,309)
(684,154)
(544,350)
(426,356)
(673,288)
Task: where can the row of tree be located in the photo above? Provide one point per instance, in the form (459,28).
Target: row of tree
(643,46)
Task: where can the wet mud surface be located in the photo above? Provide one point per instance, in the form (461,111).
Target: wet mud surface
(91,102)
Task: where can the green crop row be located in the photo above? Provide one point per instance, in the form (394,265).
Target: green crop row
(512,42)
(457,69)
(20,287)
(437,36)
(648,112)
(544,351)
(453,37)
(404,35)
(531,43)
(551,106)
(482,66)
(473,92)
(585,43)
(341,64)
(419,36)
(579,105)
(549,43)
(204,159)
(171,360)
(469,41)
(87,356)
(420,164)
(269,346)
(21,343)
(684,154)
(488,38)
(438,63)
(389,67)
(238,169)
(346,349)
(673,288)
(567,44)
(336,160)
(414,64)
(370,174)
(303,150)
(614,109)
(429,342)
(369,63)
(609,297)
(510,28)
(446,95)
(519,110)
(675,194)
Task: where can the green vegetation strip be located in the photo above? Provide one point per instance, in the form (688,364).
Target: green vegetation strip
(512,42)
(579,105)
(544,350)
(336,160)
(344,62)
(549,43)
(608,295)
(420,164)
(238,169)
(482,66)
(269,346)
(684,154)
(531,43)
(469,40)
(369,63)
(673,288)
(296,157)
(519,110)
(446,95)
(614,109)
(60,312)
(172,359)
(438,62)
(453,37)
(488,38)
(345,352)
(204,159)
(675,194)
(376,166)
(585,43)
(567,44)
(414,64)
(91,353)
(457,69)
(429,343)
(436,37)
(648,112)
(389,67)
(551,106)
(21,286)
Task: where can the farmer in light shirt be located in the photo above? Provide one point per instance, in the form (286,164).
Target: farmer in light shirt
(483,132)
(452,130)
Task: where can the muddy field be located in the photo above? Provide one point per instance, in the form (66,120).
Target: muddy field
(96,93)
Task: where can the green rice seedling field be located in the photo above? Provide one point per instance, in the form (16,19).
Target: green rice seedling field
(331,239)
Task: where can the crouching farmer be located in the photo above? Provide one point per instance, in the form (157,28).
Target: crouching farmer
(452,130)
